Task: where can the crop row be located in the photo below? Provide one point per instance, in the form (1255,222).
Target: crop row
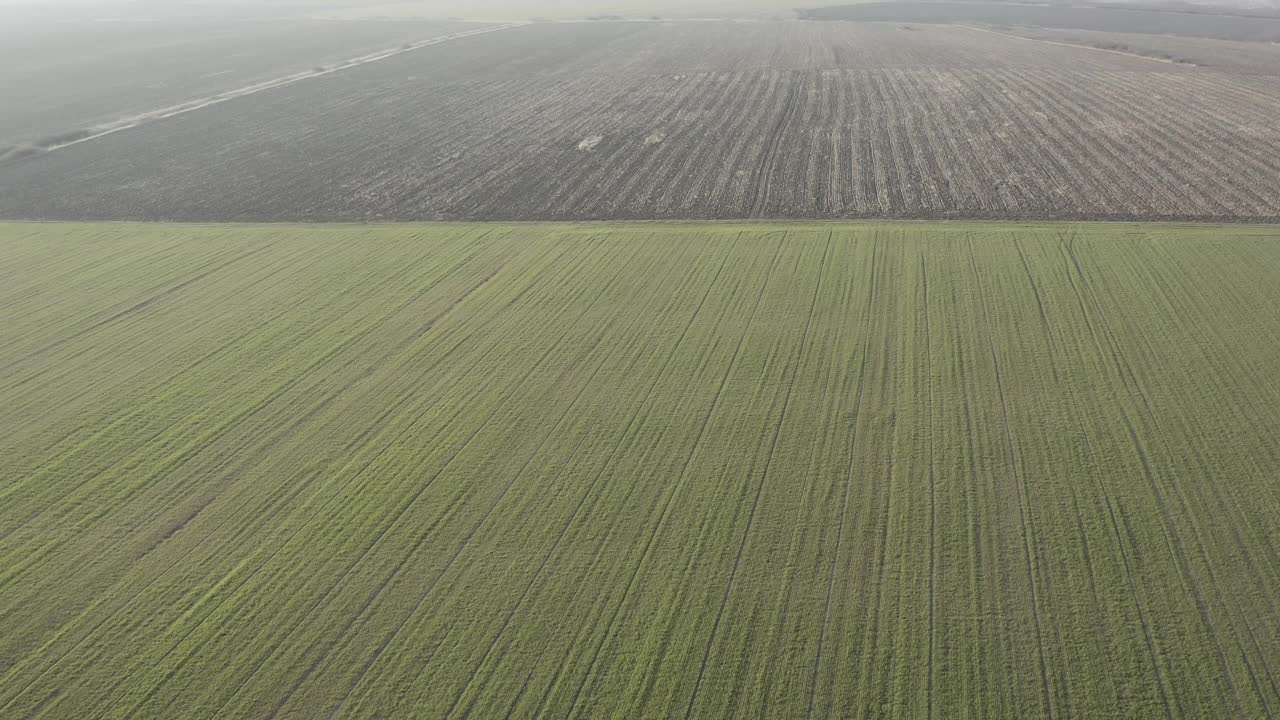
(662,471)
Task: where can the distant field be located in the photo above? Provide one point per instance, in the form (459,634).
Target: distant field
(1204,22)
(656,471)
(566,9)
(697,120)
(57,79)
(1244,58)
(482,10)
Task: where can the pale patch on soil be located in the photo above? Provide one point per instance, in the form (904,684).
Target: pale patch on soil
(655,138)
(590,142)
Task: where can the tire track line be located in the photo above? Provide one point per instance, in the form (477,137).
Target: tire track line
(768,163)
(470,535)
(974,526)
(582,260)
(355,443)
(933,497)
(230,347)
(545,562)
(773,447)
(677,484)
(1130,581)
(627,433)
(164,573)
(448,565)
(817,449)
(662,516)
(885,535)
(844,503)
(364,611)
(282,390)
(1078,515)
(1176,543)
(287,264)
(359,473)
(140,305)
(1027,538)
(882,506)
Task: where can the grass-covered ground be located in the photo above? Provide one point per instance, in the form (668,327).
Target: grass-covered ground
(659,471)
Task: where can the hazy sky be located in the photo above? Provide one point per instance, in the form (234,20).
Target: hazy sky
(470,9)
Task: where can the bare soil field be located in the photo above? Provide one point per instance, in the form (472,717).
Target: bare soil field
(60,78)
(698,120)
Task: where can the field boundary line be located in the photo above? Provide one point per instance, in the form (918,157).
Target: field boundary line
(133,121)
(1076,45)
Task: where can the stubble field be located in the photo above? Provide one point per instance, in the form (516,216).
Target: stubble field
(639,471)
(698,120)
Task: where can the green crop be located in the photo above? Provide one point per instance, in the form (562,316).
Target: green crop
(640,471)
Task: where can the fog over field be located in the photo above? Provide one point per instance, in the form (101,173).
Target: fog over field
(428,9)
(489,10)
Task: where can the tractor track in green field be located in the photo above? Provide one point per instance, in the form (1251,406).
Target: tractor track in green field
(695,470)
(1028,537)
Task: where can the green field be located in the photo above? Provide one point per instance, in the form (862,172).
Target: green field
(648,471)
